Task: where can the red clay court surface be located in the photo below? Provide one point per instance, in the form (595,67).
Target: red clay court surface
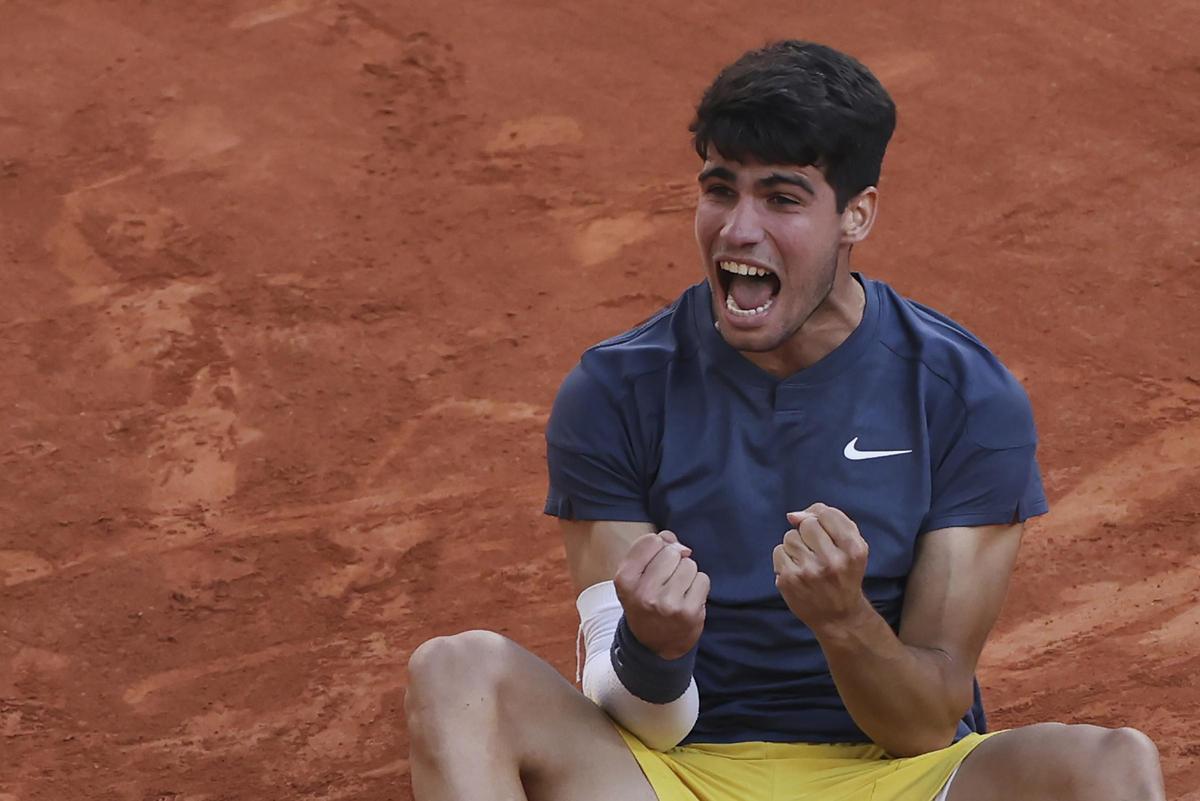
(288,290)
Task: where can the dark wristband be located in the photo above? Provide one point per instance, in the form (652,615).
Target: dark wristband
(646,674)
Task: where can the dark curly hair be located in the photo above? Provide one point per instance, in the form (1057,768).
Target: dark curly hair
(796,102)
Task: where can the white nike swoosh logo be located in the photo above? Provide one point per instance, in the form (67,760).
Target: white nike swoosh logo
(855,455)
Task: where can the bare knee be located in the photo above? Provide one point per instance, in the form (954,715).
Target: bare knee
(1116,748)
(1115,763)
(457,668)
(1130,752)
(457,678)
(471,656)
(1131,741)
(1069,763)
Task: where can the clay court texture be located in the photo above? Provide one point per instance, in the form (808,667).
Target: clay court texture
(288,290)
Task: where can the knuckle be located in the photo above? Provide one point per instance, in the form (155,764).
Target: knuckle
(648,546)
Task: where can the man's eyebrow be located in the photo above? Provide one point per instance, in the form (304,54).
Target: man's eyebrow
(794,179)
(717,171)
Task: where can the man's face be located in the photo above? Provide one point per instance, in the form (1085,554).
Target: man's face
(769,237)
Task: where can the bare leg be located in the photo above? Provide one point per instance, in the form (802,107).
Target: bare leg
(489,720)
(1054,762)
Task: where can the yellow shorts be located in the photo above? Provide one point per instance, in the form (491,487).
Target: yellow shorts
(796,771)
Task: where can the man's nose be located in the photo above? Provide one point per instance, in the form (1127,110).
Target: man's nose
(743,227)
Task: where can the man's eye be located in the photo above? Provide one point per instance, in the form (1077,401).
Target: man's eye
(718,190)
(784,200)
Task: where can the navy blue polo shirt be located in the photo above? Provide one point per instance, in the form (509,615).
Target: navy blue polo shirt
(670,425)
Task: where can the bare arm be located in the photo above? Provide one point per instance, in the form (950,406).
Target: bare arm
(908,692)
(640,628)
(595,548)
(661,589)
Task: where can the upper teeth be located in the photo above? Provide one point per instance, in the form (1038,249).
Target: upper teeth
(743,269)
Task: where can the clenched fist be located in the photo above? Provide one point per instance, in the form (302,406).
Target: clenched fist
(820,565)
(663,593)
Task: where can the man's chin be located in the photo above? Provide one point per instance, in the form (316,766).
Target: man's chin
(760,341)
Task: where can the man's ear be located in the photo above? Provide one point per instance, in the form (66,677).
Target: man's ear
(859,216)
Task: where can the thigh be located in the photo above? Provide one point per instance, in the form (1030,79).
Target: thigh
(575,750)
(1057,762)
(563,744)
(1004,764)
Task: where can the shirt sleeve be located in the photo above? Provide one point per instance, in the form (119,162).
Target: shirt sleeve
(993,482)
(593,455)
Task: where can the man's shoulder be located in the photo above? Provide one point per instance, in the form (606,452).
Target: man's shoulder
(961,368)
(610,392)
(648,348)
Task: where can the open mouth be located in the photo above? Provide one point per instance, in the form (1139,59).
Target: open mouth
(749,290)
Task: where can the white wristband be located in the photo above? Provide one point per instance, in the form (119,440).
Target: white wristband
(659,726)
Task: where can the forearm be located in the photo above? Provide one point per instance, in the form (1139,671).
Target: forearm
(906,699)
(659,721)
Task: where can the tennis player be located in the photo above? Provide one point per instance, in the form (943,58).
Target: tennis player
(791,502)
